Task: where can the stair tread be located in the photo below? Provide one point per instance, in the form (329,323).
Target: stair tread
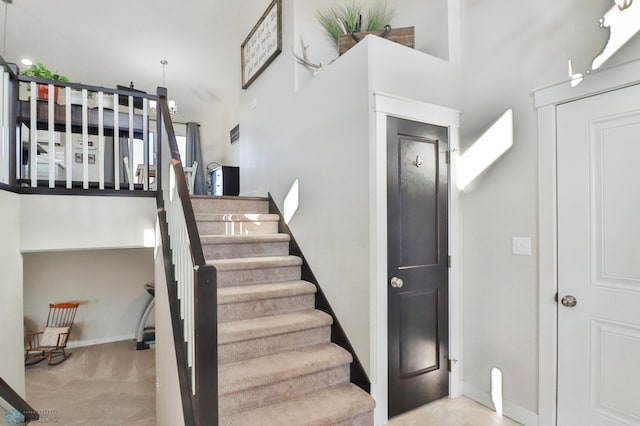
(247,293)
(244,239)
(255,328)
(269,369)
(229,197)
(254,262)
(324,407)
(236,217)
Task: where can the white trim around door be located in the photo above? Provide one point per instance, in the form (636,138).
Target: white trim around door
(385,105)
(546,101)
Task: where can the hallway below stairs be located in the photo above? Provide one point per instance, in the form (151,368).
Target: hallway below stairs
(277,365)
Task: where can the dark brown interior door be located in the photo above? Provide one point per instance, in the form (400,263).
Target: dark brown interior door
(418,287)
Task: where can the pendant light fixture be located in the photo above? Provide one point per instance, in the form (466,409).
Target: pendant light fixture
(173,107)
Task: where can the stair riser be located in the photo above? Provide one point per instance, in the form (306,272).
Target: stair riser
(235,251)
(364,419)
(259,308)
(258,276)
(224,206)
(238,351)
(278,391)
(237,228)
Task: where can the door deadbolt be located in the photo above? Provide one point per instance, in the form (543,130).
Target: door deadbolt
(396,282)
(569,301)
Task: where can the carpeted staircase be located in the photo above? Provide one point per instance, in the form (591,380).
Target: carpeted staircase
(277,365)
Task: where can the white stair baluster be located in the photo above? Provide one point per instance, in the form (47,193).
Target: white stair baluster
(4,127)
(145,142)
(68,156)
(100,158)
(52,136)
(85,140)
(116,142)
(131,162)
(33,136)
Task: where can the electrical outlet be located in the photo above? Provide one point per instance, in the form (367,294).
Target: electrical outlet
(521,246)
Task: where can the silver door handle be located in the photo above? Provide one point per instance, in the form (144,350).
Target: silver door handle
(396,282)
(569,301)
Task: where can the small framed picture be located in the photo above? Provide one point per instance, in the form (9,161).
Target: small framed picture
(92,159)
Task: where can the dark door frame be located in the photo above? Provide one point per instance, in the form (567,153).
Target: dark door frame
(383,106)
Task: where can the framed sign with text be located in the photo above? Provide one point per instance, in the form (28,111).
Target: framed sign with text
(263,44)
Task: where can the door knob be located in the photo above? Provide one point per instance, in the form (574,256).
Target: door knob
(569,301)
(396,282)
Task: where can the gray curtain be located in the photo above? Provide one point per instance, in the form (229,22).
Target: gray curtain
(124,152)
(109,169)
(194,153)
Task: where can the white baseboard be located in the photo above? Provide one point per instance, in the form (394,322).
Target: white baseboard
(511,410)
(92,342)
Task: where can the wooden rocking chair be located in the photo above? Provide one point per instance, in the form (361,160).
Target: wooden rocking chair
(50,344)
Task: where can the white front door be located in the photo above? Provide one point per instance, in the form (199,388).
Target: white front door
(598,155)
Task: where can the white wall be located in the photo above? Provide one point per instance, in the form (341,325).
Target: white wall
(108,284)
(429,17)
(282,140)
(12,331)
(59,222)
(508,49)
(168,402)
(46,223)
(322,135)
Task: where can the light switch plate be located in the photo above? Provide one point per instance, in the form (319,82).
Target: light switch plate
(254,103)
(521,246)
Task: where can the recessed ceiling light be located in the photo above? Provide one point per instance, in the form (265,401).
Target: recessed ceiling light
(26,62)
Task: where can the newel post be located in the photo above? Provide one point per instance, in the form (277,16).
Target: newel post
(206,333)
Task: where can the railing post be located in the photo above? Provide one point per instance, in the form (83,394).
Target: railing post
(206,362)
(17,402)
(159,167)
(14,142)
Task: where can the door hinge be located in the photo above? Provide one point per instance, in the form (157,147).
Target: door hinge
(448,261)
(447,156)
(449,365)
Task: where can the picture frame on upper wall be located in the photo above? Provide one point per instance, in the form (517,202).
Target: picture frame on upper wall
(263,44)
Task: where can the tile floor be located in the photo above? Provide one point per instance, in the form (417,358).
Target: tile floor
(452,412)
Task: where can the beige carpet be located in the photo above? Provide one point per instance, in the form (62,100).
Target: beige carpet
(277,365)
(110,384)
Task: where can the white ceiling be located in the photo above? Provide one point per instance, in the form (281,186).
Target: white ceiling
(115,42)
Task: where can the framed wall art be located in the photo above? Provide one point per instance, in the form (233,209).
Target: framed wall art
(263,44)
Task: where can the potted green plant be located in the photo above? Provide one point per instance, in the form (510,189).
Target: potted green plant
(40,71)
(349,23)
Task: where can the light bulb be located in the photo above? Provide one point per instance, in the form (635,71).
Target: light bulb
(623,4)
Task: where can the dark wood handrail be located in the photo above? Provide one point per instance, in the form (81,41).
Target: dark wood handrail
(80,86)
(11,68)
(17,402)
(16,113)
(202,409)
(181,181)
